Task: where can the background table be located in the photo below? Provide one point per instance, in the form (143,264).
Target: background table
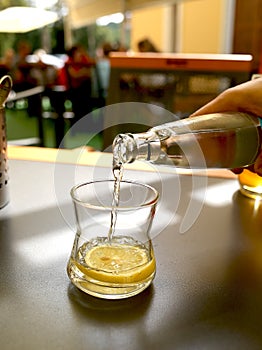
(207,293)
(179,83)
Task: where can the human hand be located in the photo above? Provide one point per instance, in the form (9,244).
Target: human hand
(246,97)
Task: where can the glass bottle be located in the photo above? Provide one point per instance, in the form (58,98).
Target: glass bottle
(219,140)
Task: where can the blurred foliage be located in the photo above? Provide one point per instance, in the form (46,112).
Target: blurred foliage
(7,3)
(94,36)
(90,37)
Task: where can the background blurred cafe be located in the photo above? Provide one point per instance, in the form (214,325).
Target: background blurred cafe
(72,58)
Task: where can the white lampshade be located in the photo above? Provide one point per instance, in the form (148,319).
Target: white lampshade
(24,19)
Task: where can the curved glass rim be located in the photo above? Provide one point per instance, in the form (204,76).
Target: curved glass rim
(100,207)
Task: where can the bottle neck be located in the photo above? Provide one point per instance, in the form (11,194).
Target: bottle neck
(130,147)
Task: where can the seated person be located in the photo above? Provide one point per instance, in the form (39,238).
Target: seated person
(79,82)
(7,62)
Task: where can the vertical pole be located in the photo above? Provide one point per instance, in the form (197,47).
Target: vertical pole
(67,23)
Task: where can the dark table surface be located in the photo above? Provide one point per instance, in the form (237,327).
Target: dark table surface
(207,293)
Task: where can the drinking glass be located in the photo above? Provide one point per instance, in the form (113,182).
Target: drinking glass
(113,260)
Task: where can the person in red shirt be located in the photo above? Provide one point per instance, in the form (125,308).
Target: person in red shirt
(79,80)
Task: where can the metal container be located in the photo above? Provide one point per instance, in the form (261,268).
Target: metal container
(5,87)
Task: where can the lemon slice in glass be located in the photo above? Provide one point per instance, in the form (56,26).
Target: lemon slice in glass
(118,263)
